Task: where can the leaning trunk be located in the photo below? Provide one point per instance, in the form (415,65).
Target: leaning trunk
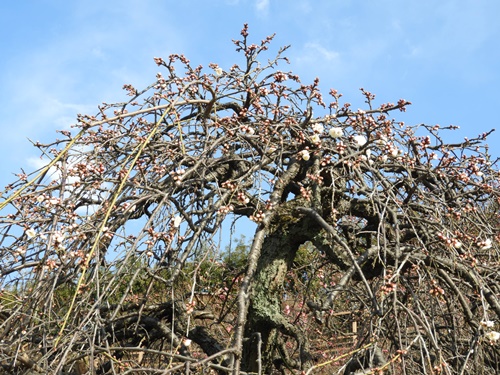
(266,326)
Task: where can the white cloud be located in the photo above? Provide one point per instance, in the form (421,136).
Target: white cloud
(320,58)
(39,163)
(100,48)
(262,7)
(317,50)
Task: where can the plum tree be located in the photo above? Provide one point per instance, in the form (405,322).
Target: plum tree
(112,260)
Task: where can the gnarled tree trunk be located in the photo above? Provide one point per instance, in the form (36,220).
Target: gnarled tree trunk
(266,324)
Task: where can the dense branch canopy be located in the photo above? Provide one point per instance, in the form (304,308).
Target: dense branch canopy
(117,255)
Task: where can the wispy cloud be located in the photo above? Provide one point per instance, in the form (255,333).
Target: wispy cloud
(317,50)
(262,7)
(71,56)
(318,57)
(46,85)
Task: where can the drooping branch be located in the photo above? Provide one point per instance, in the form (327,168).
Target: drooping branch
(355,217)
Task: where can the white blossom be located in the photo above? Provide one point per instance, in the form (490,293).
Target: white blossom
(315,138)
(247,130)
(54,200)
(336,132)
(304,154)
(317,128)
(218,71)
(485,245)
(20,251)
(359,140)
(30,233)
(177,221)
(492,335)
(59,237)
(488,323)
(382,141)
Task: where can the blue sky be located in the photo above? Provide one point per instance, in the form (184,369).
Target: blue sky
(60,57)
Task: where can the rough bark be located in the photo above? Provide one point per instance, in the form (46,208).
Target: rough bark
(266,322)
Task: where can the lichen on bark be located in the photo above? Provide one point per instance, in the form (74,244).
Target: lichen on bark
(287,231)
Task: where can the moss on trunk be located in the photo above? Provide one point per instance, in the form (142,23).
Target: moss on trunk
(265,319)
